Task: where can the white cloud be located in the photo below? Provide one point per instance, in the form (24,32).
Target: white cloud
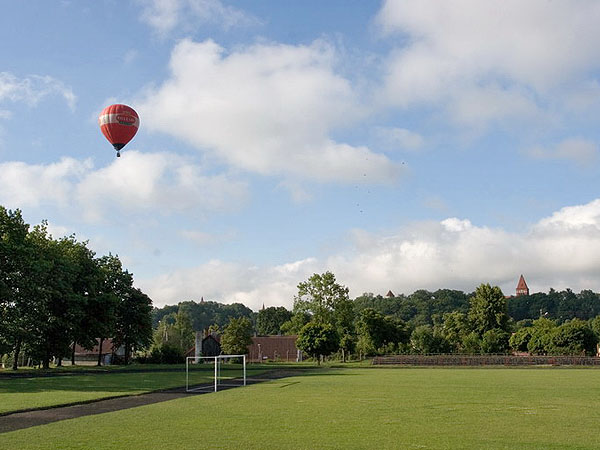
(27,185)
(33,89)
(580,150)
(399,138)
(230,283)
(136,182)
(560,251)
(165,16)
(267,108)
(492,60)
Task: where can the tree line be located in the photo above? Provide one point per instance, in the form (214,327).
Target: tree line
(55,294)
(445,321)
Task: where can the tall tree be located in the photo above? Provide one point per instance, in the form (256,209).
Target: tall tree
(18,285)
(269,320)
(326,301)
(133,324)
(488,309)
(237,336)
(115,284)
(318,339)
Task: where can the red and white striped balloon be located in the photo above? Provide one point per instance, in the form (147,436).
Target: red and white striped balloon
(118,124)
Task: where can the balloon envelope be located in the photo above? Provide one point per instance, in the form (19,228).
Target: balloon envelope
(118,124)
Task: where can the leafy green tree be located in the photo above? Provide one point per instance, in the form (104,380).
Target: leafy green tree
(425,340)
(572,338)
(347,345)
(133,327)
(326,301)
(520,339)
(270,320)
(115,285)
(494,341)
(595,326)
(176,330)
(454,328)
(237,336)
(295,323)
(318,339)
(541,333)
(18,285)
(487,309)
(376,333)
(204,314)
(471,343)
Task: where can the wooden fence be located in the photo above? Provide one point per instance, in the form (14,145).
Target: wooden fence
(485,360)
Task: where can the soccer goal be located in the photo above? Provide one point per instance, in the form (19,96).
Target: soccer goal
(221,371)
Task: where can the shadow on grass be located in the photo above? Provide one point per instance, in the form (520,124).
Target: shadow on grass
(131,381)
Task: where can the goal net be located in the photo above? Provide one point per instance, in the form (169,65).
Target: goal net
(210,373)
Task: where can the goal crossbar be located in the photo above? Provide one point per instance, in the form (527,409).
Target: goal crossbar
(217,361)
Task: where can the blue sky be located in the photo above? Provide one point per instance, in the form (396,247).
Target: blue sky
(400,144)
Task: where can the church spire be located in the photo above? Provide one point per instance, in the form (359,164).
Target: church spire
(522,288)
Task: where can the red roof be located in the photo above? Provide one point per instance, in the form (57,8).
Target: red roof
(522,287)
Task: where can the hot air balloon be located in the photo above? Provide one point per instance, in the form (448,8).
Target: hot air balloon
(118,124)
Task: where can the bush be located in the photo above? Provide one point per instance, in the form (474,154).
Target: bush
(572,338)
(494,341)
(520,339)
(163,354)
(471,343)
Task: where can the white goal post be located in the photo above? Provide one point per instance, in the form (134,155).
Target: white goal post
(219,379)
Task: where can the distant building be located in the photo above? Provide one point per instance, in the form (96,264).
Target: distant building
(522,288)
(274,348)
(90,357)
(390,294)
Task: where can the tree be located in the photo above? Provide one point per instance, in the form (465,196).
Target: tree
(115,285)
(295,323)
(270,320)
(318,340)
(425,340)
(237,336)
(326,301)
(471,343)
(520,339)
(494,341)
(488,309)
(133,328)
(376,333)
(19,311)
(572,338)
(454,328)
(539,342)
(176,331)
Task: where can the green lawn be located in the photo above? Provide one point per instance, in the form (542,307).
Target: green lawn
(36,392)
(399,408)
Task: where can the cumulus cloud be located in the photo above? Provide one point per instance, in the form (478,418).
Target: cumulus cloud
(134,183)
(492,60)
(165,16)
(230,283)
(562,250)
(268,108)
(579,150)
(33,89)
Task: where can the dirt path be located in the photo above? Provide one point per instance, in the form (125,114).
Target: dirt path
(26,419)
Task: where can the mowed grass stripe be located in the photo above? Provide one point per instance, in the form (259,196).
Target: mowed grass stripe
(356,408)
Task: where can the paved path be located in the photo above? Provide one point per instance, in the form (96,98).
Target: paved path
(26,419)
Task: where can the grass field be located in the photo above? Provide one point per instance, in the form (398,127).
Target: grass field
(441,408)
(36,392)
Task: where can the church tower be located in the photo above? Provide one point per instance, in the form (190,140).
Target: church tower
(522,288)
